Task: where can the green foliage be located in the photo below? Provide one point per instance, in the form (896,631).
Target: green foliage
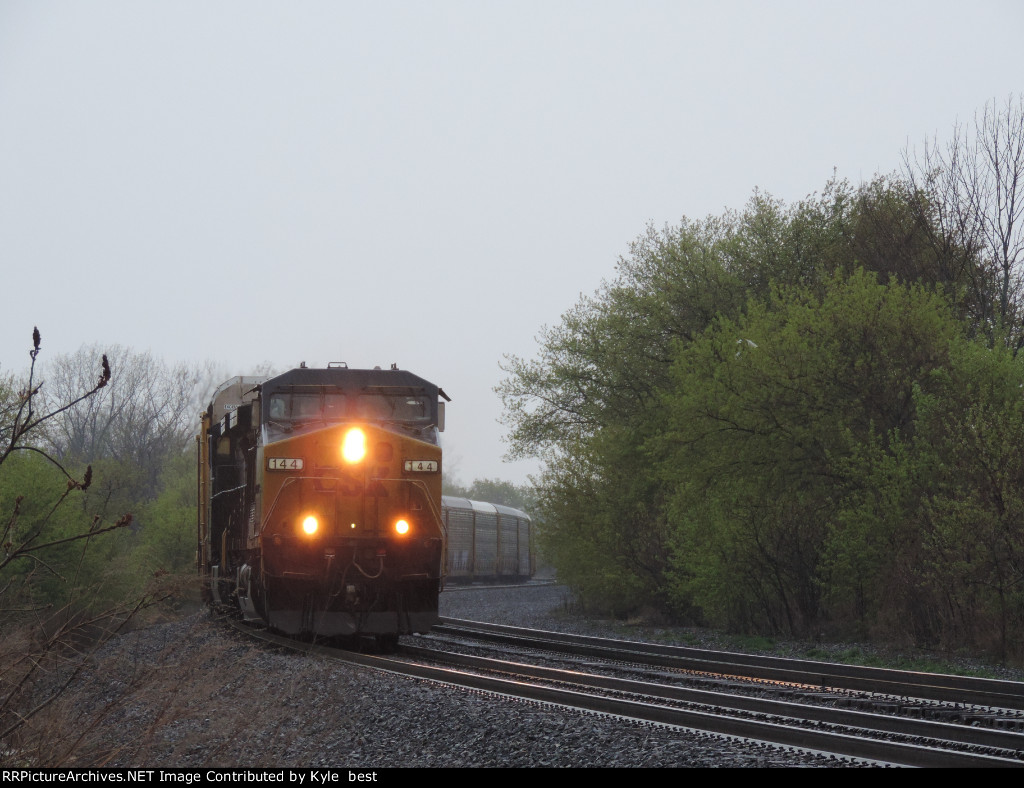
(776,420)
(588,405)
(603,544)
(592,404)
(80,549)
(167,523)
(30,490)
(67,545)
(611,353)
(972,516)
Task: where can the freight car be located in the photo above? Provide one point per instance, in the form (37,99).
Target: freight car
(320,501)
(487,542)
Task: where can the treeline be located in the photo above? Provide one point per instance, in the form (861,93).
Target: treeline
(97,482)
(499,491)
(802,419)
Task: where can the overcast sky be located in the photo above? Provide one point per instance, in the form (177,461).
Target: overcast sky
(426,183)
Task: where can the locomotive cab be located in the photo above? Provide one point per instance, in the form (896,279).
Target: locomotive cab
(321,513)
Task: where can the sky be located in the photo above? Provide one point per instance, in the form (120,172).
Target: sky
(428,182)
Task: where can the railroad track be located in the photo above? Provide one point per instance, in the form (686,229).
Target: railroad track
(964,690)
(813,723)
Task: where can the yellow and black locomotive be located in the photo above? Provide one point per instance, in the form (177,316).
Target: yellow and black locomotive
(320,501)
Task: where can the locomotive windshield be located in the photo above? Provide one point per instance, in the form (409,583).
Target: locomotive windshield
(326,406)
(302,408)
(408,408)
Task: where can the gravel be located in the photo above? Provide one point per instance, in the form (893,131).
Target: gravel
(191,693)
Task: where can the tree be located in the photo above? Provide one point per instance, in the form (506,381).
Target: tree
(142,419)
(36,533)
(501,492)
(970,194)
(592,403)
(21,423)
(609,355)
(161,546)
(776,422)
(970,512)
(590,400)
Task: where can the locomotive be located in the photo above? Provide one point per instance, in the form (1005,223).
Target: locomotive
(320,501)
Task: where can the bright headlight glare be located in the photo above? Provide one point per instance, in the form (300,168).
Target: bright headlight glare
(402,526)
(353,448)
(309,525)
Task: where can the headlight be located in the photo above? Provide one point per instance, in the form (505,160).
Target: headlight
(402,527)
(309,525)
(353,448)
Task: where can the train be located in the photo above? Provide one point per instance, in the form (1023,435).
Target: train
(487,542)
(320,506)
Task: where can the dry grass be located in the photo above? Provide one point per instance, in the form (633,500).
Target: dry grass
(182,692)
(66,683)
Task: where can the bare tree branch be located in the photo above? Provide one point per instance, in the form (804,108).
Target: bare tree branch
(971,194)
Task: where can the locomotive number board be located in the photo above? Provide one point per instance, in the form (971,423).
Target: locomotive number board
(283,464)
(424,466)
